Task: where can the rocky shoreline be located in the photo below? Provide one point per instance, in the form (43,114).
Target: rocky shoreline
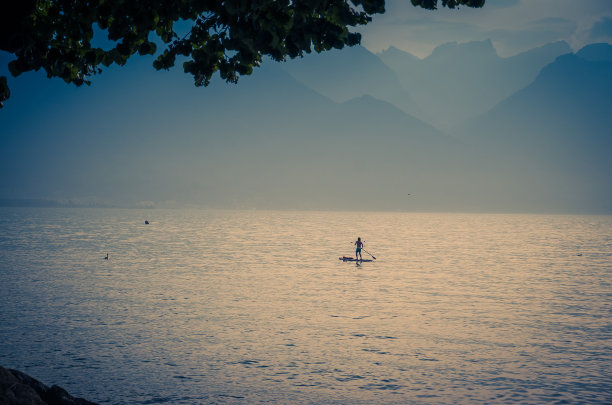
(17,388)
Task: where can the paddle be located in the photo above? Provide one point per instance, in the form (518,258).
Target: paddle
(369,253)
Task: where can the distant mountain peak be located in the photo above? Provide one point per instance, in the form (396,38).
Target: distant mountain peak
(395,52)
(450,49)
(367,99)
(596,52)
(546,51)
(384,111)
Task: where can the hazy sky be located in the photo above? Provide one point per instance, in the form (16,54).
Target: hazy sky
(512,25)
(141,135)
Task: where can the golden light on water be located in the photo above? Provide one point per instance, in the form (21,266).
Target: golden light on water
(256,306)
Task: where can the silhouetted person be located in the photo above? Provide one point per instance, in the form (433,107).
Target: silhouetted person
(359,245)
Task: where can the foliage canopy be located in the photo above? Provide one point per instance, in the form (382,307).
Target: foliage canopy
(230,37)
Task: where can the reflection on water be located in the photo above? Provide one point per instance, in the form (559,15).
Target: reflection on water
(243,307)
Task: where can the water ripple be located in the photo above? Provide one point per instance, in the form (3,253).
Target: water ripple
(247,307)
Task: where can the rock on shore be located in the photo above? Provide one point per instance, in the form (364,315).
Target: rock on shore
(17,388)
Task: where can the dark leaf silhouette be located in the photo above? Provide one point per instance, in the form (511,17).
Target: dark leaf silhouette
(230,37)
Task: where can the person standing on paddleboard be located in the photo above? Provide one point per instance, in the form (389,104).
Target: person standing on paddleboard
(359,245)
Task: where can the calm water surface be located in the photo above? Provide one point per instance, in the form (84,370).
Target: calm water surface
(255,307)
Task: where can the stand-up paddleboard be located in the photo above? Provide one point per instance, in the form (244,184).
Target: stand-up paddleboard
(352,259)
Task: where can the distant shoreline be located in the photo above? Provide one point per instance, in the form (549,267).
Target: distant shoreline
(74,203)
(47,203)
(44,203)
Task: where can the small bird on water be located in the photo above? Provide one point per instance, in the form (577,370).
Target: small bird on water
(106,258)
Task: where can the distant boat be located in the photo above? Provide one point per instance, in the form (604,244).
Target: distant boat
(146,222)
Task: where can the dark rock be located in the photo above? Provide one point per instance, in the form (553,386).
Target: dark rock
(25,379)
(14,392)
(17,388)
(58,396)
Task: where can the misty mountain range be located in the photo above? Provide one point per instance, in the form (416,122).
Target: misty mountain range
(460,130)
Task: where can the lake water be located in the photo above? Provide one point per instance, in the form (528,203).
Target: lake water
(255,307)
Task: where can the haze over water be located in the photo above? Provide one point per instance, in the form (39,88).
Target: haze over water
(255,307)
